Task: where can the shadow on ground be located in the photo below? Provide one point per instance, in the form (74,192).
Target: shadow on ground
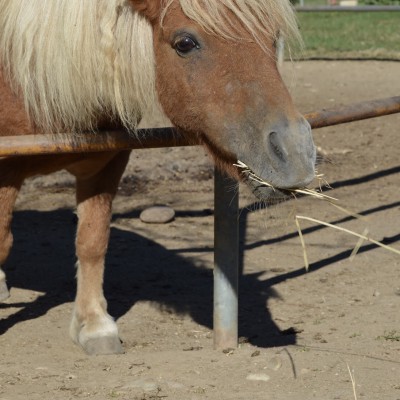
(139,269)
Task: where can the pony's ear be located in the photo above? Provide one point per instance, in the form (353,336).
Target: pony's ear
(149,8)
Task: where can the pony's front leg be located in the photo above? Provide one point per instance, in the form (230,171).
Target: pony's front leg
(11,178)
(92,327)
(8,195)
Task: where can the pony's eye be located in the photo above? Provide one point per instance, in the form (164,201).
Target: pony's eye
(185,44)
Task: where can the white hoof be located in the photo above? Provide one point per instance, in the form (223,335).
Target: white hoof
(97,338)
(4,293)
(103,345)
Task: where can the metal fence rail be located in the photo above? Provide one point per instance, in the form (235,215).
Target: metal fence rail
(169,137)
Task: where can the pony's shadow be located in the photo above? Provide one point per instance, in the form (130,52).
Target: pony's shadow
(138,269)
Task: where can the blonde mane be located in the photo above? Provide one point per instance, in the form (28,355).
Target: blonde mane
(73,61)
(261,18)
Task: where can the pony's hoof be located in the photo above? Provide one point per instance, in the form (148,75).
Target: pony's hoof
(103,345)
(4,293)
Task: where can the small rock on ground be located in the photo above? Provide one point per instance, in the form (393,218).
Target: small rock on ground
(157,215)
(258,377)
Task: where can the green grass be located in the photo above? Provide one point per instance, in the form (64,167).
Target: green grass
(351,35)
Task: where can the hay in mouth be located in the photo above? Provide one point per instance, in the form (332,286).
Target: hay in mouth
(264,190)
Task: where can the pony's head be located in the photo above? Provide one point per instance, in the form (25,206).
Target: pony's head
(73,62)
(217,79)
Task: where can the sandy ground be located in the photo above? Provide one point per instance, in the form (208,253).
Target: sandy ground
(302,334)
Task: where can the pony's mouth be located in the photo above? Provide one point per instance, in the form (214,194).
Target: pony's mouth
(261,189)
(267,192)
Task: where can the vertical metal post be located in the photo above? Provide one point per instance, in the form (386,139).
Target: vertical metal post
(226,261)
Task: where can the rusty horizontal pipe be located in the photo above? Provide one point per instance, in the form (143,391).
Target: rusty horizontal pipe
(354,112)
(169,137)
(104,140)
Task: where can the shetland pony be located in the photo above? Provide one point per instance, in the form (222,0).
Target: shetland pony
(74,66)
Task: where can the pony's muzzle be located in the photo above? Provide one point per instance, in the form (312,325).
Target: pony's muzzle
(292,155)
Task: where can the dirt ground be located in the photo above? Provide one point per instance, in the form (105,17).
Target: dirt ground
(302,334)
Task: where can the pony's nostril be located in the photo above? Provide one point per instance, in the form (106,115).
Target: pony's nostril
(277,147)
